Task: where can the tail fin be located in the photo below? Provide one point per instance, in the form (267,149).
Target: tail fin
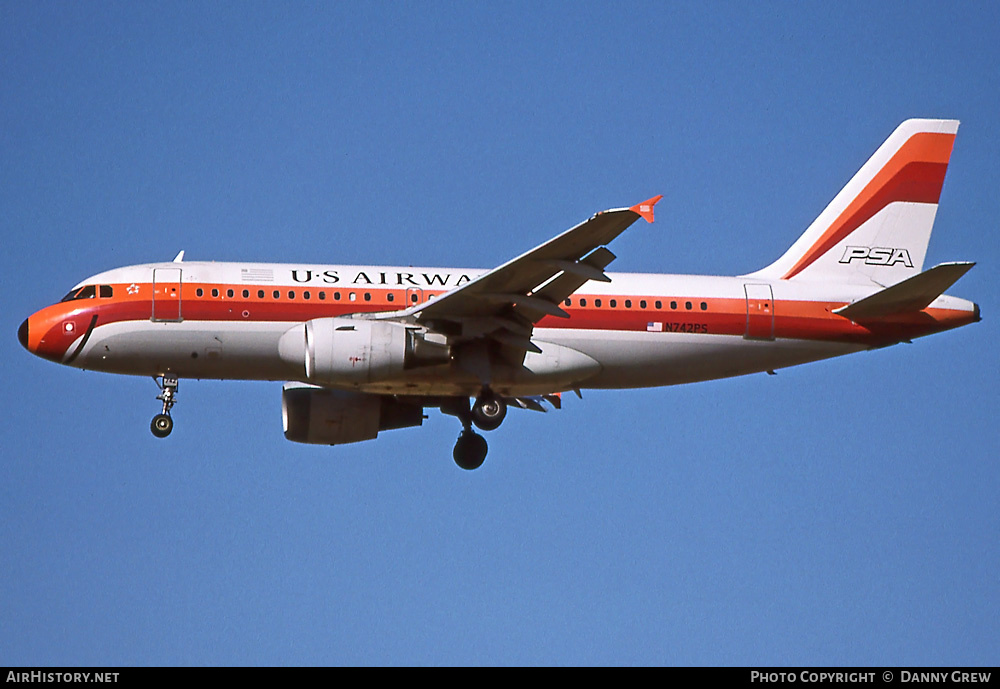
(877,228)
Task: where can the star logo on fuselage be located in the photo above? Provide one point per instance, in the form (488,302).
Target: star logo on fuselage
(133,288)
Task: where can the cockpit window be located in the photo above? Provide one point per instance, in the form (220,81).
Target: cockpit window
(88,292)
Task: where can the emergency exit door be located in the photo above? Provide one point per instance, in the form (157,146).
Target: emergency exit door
(414,297)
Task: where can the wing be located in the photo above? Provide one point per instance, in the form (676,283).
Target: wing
(503,304)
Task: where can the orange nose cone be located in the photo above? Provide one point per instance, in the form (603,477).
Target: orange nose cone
(22,334)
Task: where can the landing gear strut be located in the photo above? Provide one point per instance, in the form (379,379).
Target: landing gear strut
(487,413)
(162,424)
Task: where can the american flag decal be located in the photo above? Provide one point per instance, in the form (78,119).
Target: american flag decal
(654,327)
(257,274)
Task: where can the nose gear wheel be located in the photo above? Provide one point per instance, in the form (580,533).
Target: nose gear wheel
(162,423)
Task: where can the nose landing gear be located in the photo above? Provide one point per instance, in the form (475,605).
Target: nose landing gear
(162,424)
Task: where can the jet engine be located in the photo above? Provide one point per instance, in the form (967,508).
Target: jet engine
(334,417)
(339,351)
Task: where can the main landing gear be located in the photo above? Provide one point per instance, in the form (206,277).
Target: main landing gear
(487,413)
(162,424)
(470,450)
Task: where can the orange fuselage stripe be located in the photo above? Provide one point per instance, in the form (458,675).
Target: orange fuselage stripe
(797,319)
(915,173)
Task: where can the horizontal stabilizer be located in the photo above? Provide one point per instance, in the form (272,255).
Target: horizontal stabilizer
(908,296)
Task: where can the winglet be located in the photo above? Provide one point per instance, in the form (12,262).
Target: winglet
(645,209)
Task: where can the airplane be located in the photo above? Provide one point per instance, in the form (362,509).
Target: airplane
(364,349)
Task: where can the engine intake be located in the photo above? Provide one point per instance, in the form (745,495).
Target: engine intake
(334,417)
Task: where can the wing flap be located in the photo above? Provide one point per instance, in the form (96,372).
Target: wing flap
(568,282)
(534,402)
(581,269)
(514,340)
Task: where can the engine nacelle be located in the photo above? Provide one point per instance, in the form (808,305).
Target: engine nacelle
(338,351)
(334,417)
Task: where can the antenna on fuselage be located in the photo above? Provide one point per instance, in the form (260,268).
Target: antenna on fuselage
(179,258)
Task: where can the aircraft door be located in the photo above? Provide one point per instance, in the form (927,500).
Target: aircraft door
(760,312)
(414,297)
(166,294)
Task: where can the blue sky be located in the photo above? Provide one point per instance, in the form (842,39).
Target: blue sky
(843,512)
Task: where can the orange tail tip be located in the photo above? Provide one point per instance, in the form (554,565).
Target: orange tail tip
(645,209)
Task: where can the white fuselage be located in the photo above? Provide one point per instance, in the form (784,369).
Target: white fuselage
(225,321)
